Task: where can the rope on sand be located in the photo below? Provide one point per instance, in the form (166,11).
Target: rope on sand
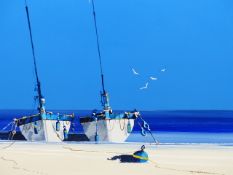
(81,150)
(16,166)
(188,171)
(8,146)
(155,164)
(9,160)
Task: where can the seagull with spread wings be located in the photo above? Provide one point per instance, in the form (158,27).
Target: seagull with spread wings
(163,70)
(144,87)
(134,72)
(153,78)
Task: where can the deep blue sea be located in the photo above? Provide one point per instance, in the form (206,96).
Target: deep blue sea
(189,126)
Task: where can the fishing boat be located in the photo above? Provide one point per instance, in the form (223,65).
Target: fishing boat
(105,125)
(43,126)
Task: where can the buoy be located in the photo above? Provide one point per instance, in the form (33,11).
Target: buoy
(141,156)
(97,138)
(129,128)
(35,128)
(96,131)
(65,132)
(58,124)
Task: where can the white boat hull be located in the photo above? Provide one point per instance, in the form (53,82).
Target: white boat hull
(109,130)
(46,131)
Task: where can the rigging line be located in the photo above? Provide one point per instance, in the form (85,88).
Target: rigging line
(11,135)
(33,53)
(98,44)
(5,127)
(155,141)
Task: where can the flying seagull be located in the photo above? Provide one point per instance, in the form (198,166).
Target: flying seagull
(144,87)
(135,73)
(153,78)
(163,70)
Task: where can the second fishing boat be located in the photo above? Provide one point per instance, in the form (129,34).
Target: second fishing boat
(105,125)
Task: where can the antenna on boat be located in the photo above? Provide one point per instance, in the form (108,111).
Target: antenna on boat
(104,95)
(34,60)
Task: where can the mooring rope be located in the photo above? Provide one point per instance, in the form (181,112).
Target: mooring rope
(8,146)
(13,131)
(93,151)
(11,134)
(179,170)
(146,129)
(151,161)
(15,165)
(5,127)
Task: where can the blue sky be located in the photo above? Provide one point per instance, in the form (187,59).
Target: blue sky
(192,39)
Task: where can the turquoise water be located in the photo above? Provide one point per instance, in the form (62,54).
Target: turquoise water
(184,138)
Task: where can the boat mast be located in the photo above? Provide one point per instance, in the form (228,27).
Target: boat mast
(104,95)
(38,89)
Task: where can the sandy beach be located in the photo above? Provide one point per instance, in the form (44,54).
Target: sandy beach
(24,158)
